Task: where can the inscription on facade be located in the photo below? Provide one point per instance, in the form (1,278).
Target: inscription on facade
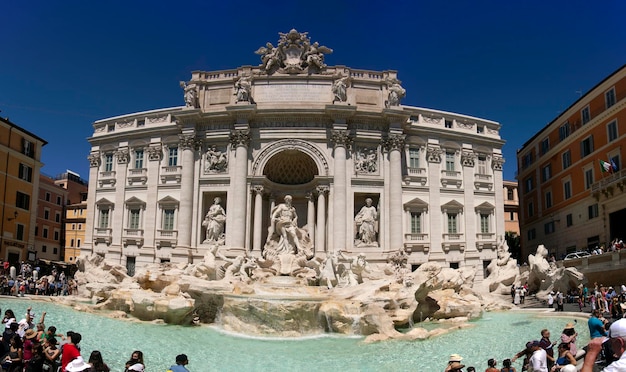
(293,93)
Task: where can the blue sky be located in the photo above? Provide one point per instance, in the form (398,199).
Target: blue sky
(65,64)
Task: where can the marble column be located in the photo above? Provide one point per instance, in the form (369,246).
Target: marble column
(95,159)
(240,139)
(118,215)
(320,233)
(258,217)
(187,146)
(342,141)
(395,144)
(310,217)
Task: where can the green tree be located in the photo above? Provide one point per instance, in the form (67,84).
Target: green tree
(512,240)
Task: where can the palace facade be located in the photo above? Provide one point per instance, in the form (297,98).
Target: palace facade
(336,139)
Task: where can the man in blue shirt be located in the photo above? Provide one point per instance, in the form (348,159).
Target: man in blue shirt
(596,325)
(181,362)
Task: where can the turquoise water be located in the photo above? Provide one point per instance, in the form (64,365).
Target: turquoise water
(496,335)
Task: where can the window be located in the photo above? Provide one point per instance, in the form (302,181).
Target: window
(546,172)
(564,131)
(511,216)
(509,194)
(108,162)
(609,96)
(77,243)
(612,130)
(80,226)
(172,159)
(481,164)
(529,184)
(484,223)
(448,123)
(545,145)
(25,173)
(586,146)
(44,249)
(414,158)
(58,200)
(527,160)
(19,232)
(585,115)
(54,250)
(567,159)
(592,211)
(28,148)
(450,161)
(104,218)
(56,235)
(531,234)
(615,162)
(416,222)
(548,199)
(71,242)
(548,228)
(133,219)
(588,178)
(168,219)
(452,223)
(531,209)
(138,159)
(569,220)
(57,217)
(45,232)
(454,265)
(47,196)
(567,189)
(73,226)
(480,129)
(110,127)
(22,200)
(46,214)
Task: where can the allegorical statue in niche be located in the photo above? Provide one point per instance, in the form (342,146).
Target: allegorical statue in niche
(285,225)
(243,90)
(191,94)
(216,160)
(396,93)
(340,87)
(367,223)
(214,222)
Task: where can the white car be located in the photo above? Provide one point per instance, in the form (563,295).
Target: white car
(574,255)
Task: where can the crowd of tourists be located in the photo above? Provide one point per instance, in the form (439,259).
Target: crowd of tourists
(29,279)
(27,346)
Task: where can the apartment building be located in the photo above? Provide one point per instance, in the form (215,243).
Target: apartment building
(50,209)
(570,174)
(511,207)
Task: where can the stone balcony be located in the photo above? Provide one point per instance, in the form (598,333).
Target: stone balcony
(107,178)
(102,235)
(485,240)
(417,242)
(451,178)
(417,175)
(483,181)
(171,174)
(166,238)
(606,186)
(137,176)
(132,237)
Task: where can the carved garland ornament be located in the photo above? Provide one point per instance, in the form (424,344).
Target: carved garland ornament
(290,144)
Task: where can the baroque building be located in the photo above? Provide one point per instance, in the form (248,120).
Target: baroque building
(365,174)
(570,174)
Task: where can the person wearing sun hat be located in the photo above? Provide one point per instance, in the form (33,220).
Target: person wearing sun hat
(77,365)
(454,363)
(568,336)
(617,340)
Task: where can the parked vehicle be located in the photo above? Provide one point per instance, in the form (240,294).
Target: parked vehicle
(575,255)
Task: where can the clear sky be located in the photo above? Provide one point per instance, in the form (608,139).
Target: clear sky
(65,64)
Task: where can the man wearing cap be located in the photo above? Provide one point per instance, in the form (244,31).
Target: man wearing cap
(181,362)
(538,361)
(617,339)
(454,363)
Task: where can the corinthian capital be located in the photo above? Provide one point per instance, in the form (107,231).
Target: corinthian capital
(188,142)
(122,155)
(94,159)
(341,138)
(394,142)
(240,137)
(496,162)
(433,154)
(155,152)
(468,158)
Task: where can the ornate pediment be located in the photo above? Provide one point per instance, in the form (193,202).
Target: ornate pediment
(293,54)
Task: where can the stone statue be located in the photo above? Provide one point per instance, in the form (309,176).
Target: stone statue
(314,56)
(191,94)
(285,224)
(328,271)
(243,90)
(503,271)
(214,222)
(366,221)
(216,160)
(396,93)
(358,265)
(340,89)
(271,57)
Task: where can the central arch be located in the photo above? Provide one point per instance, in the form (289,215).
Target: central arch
(283,148)
(290,167)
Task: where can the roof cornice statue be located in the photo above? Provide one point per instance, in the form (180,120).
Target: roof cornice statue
(293,54)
